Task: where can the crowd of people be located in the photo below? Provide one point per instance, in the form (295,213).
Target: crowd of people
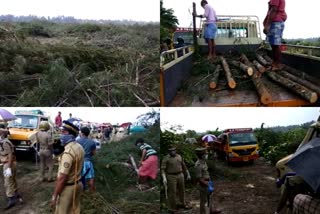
(75,160)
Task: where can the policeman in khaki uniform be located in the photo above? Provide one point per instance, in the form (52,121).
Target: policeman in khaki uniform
(203,178)
(8,159)
(45,141)
(172,171)
(66,196)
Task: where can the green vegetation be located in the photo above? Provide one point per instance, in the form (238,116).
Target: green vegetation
(116,184)
(50,64)
(168,22)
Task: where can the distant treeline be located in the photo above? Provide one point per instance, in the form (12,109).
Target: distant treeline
(67,19)
(315,41)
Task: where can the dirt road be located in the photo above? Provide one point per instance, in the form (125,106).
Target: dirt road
(240,189)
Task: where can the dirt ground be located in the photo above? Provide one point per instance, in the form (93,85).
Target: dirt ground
(36,194)
(240,189)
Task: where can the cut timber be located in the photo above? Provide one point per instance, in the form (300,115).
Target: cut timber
(302,75)
(259,66)
(296,87)
(265,97)
(244,59)
(243,67)
(215,78)
(262,60)
(303,82)
(231,82)
(268,59)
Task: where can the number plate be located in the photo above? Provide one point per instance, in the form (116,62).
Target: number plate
(245,159)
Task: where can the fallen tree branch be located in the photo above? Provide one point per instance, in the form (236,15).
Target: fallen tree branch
(141,100)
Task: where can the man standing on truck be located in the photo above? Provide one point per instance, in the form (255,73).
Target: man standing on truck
(45,141)
(66,196)
(203,182)
(173,169)
(8,159)
(273,27)
(211,28)
(89,147)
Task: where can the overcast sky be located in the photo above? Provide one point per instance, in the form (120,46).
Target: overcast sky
(203,119)
(99,115)
(137,10)
(302,19)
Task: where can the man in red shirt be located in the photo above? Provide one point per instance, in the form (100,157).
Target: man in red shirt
(273,27)
(58,120)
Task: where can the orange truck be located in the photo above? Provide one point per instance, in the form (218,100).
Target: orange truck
(237,145)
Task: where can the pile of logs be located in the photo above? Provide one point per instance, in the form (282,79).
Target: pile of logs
(298,82)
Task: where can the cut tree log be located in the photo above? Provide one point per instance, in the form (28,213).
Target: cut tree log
(304,92)
(267,58)
(260,67)
(243,67)
(264,95)
(231,83)
(262,60)
(245,60)
(215,78)
(303,82)
(302,75)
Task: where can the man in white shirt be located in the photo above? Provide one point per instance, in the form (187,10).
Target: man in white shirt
(211,27)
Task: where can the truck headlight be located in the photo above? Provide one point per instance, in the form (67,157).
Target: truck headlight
(230,155)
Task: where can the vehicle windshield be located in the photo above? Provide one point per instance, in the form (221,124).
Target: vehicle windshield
(24,121)
(242,139)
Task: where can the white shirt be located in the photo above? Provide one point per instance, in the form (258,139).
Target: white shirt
(210,14)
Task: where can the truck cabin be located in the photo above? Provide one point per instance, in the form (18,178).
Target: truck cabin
(240,137)
(26,124)
(233,32)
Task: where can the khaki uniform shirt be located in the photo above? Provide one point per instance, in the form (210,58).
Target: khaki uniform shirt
(73,155)
(44,139)
(201,172)
(173,165)
(6,148)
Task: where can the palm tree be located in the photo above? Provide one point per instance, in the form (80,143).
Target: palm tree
(168,21)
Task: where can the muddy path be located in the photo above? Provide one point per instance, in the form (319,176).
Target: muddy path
(239,189)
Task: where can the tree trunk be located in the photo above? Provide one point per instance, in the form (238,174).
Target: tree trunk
(243,67)
(303,82)
(231,82)
(268,59)
(295,87)
(262,60)
(215,78)
(265,97)
(259,66)
(302,75)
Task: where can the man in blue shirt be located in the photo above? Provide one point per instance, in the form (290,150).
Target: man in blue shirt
(89,147)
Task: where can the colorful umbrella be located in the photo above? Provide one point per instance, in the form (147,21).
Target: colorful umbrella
(209,138)
(305,162)
(6,115)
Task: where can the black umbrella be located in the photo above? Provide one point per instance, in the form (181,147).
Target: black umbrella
(306,163)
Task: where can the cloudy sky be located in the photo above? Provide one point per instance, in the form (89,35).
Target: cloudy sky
(137,10)
(203,119)
(100,115)
(301,22)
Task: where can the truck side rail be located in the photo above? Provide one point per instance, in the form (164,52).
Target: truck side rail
(300,50)
(175,67)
